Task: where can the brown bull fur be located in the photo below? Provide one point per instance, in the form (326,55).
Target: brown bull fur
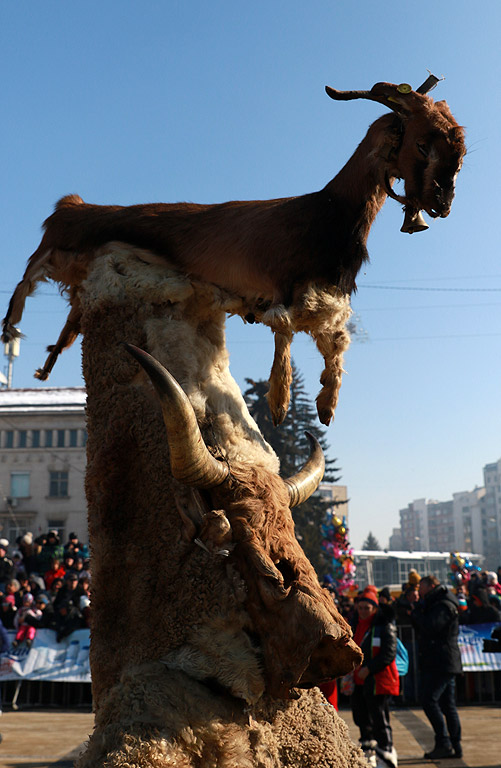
(209,625)
(268,252)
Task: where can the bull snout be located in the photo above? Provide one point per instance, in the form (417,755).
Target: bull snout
(331,658)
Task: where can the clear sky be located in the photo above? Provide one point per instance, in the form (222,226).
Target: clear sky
(128,102)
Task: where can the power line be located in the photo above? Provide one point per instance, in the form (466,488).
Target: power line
(417,288)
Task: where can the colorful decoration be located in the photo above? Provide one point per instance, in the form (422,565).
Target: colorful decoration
(339,554)
(461,569)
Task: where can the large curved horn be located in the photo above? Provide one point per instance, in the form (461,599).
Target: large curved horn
(191,462)
(400,98)
(307,480)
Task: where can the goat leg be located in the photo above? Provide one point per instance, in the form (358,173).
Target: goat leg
(331,346)
(66,338)
(278,395)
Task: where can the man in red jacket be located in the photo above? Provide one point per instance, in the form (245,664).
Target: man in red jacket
(377,677)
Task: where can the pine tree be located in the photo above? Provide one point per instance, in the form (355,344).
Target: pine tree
(292,447)
(371,542)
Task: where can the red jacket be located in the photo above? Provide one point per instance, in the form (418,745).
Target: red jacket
(379,647)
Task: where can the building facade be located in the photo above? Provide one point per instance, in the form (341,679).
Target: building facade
(392,568)
(470,521)
(42,461)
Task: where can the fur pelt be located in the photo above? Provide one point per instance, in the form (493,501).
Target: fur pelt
(174,656)
(156,717)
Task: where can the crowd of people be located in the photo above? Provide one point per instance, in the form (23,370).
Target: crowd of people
(44,584)
(435,612)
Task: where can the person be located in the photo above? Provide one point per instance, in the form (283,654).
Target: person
(385,597)
(376,680)
(51,550)
(56,571)
(436,621)
(7,569)
(71,591)
(405,603)
(4,647)
(46,618)
(25,632)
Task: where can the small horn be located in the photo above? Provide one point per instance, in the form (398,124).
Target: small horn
(306,481)
(413,222)
(191,461)
(429,84)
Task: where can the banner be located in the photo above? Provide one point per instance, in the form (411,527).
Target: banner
(66,661)
(471,638)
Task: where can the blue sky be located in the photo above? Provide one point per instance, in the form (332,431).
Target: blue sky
(128,102)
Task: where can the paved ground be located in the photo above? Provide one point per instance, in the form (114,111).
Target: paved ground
(53,738)
(413,737)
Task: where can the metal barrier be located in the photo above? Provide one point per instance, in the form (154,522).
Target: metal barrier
(472,687)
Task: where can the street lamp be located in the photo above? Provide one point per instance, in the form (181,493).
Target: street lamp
(11,350)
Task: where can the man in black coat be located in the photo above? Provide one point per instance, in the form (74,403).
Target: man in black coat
(436,619)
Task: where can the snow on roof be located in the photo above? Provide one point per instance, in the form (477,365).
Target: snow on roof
(408,555)
(43,399)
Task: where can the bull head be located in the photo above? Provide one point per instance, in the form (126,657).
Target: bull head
(426,148)
(304,640)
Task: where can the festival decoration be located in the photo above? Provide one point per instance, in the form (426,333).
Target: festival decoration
(339,554)
(461,569)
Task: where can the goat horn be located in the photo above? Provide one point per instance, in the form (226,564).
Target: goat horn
(307,480)
(190,460)
(400,98)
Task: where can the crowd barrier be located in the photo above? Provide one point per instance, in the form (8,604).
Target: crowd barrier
(53,673)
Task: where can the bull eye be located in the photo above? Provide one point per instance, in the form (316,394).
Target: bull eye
(422,148)
(288,572)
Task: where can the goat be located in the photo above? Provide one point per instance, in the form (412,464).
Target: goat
(267,251)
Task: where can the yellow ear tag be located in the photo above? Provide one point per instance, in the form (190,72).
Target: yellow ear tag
(404,88)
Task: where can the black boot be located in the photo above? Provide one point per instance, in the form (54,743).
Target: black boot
(438,753)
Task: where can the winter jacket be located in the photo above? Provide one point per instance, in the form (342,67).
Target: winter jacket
(379,647)
(436,619)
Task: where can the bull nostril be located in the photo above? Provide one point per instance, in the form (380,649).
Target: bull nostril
(288,572)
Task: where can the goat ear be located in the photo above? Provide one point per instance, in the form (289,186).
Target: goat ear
(191,511)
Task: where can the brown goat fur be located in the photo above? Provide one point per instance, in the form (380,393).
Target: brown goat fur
(267,252)
(197,629)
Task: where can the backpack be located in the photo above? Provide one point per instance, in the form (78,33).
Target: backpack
(402,658)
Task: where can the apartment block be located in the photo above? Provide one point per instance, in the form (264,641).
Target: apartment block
(42,461)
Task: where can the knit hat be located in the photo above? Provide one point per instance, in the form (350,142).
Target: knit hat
(385,592)
(369,595)
(27,598)
(414,577)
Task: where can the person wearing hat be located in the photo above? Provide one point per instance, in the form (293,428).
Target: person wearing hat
(374,630)
(51,550)
(7,570)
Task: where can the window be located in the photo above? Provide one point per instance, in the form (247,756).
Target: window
(60,438)
(58,485)
(9,438)
(73,438)
(35,438)
(20,485)
(48,438)
(22,438)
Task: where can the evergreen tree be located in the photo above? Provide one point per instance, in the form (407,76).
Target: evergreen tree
(371,542)
(292,448)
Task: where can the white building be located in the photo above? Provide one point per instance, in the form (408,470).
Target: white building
(392,568)
(42,461)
